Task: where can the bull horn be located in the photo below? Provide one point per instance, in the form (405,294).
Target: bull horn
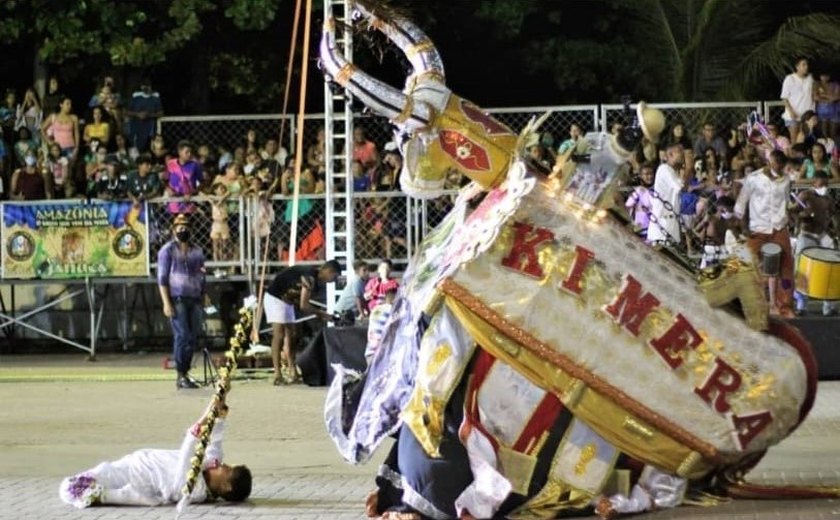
(412,41)
(383,99)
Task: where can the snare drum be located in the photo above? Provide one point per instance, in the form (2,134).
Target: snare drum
(818,273)
(771,259)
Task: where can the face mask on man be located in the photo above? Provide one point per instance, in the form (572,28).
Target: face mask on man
(183,235)
(821,191)
(30,160)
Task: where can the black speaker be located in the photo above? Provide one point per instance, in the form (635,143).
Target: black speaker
(824,335)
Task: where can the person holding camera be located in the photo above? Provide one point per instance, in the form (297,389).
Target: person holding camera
(113,185)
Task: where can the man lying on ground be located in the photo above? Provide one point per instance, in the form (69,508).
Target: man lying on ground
(152,477)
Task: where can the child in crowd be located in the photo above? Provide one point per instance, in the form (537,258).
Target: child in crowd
(220,229)
(376,287)
(95,169)
(264,212)
(112,185)
(361,180)
(59,168)
(639,201)
(720,233)
(351,304)
(152,477)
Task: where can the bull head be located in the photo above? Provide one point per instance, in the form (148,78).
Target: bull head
(443,131)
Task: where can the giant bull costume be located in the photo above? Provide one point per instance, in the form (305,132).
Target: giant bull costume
(540,357)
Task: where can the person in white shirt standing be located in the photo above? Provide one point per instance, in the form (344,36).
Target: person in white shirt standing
(152,477)
(798,97)
(665,202)
(765,192)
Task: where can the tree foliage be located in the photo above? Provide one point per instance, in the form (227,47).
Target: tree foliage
(721,49)
(127,33)
(666,50)
(89,38)
(230,55)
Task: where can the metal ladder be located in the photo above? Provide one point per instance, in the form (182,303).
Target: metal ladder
(338,126)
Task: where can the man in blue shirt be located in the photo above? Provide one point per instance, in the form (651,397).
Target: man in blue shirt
(143,110)
(181,281)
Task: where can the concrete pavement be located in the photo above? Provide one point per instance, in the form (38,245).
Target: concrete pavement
(55,422)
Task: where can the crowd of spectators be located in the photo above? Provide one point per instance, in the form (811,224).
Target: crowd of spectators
(706,193)
(715,161)
(77,153)
(111,152)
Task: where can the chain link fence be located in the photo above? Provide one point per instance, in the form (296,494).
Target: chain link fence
(270,230)
(231,131)
(557,125)
(692,115)
(381,227)
(219,231)
(390,225)
(258,230)
(227,132)
(773,111)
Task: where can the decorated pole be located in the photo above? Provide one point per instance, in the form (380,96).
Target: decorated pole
(237,344)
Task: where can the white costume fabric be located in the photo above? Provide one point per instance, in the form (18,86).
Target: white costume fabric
(148,477)
(278,311)
(664,223)
(767,198)
(655,490)
(376,327)
(798,92)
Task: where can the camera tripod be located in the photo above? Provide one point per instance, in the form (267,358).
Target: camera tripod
(211,373)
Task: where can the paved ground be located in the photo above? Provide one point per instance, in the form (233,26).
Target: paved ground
(60,415)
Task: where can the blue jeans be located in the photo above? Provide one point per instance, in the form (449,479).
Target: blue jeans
(186,325)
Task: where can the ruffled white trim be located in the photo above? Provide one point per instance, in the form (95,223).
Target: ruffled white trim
(80,491)
(489,488)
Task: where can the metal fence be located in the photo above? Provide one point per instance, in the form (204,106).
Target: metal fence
(387,225)
(231,130)
(390,225)
(692,115)
(773,111)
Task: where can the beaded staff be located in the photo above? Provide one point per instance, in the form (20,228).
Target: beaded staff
(237,343)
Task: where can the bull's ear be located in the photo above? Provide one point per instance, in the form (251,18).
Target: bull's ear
(376,95)
(530,135)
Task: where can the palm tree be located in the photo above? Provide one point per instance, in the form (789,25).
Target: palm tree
(721,49)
